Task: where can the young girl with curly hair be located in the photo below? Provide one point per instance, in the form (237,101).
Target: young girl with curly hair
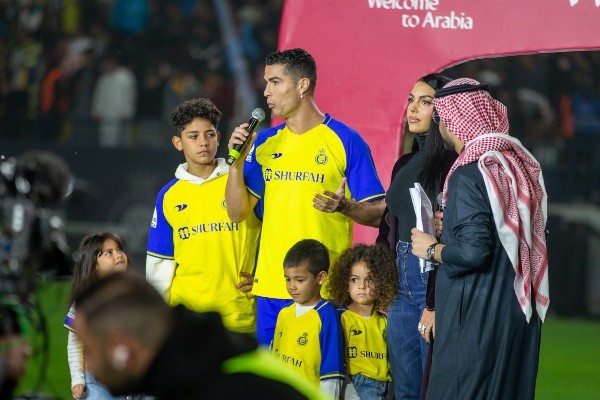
(363,282)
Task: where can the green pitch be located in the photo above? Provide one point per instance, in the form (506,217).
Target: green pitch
(569,360)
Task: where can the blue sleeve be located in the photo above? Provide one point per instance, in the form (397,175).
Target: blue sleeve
(253,174)
(69,321)
(363,182)
(259,209)
(332,343)
(160,236)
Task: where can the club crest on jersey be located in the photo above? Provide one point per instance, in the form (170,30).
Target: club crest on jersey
(268,174)
(184,233)
(352,352)
(303,339)
(321,158)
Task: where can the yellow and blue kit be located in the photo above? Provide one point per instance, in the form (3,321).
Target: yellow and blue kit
(195,252)
(365,344)
(286,171)
(311,344)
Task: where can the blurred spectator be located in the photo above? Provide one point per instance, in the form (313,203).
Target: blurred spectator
(23,72)
(183,85)
(71,16)
(83,127)
(4,83)
(129,16)
(27,14)
(52,103)
(528,71)
(113,102)
(151,129)
(583,148)
(538,115)
(250,16)
(217,88)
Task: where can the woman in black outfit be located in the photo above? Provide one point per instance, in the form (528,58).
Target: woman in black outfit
(428,163)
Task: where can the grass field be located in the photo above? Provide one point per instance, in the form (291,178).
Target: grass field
(569,360)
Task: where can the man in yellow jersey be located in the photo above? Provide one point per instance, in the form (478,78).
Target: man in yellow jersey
(314,174)
(196,255)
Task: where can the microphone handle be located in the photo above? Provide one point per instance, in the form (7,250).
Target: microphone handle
(235,152)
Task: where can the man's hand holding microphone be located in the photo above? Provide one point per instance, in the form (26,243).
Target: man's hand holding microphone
(243,136)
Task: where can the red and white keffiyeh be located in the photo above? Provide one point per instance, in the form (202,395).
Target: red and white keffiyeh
(514,184)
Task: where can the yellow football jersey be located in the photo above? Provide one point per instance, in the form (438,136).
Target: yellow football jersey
(287,170)
(192,227)
(310,344)
(365,345)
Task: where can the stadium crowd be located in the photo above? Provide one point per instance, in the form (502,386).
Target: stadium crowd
(61,60)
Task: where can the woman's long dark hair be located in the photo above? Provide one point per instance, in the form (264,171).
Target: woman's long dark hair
(437,159)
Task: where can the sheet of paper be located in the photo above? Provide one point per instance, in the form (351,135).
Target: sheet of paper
(424,214)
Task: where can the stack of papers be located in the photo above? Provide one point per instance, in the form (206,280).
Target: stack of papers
(424,214)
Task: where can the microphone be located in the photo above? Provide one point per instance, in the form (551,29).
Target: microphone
(439,200)
(257,116)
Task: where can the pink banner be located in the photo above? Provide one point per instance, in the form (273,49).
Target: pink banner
(369,53)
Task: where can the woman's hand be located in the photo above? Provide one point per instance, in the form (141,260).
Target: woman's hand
(427,325)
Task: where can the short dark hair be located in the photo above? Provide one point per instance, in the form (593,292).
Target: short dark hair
(310,252)
(124,301)
(187,111)
(298,63)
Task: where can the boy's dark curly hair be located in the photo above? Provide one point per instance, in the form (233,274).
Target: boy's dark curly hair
(384,273)
(187,111)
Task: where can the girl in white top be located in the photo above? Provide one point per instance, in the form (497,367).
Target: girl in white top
(98,255)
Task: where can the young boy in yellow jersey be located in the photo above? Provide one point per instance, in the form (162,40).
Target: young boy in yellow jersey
(364,282)
(196,256)
(308,336)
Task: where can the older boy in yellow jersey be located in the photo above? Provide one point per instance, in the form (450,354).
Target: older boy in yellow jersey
(315,174)
(308,335)
(196,255)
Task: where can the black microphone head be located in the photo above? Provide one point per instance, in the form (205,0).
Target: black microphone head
(440,200)
(258,114)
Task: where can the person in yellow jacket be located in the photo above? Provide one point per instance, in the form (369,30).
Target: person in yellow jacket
(196,256)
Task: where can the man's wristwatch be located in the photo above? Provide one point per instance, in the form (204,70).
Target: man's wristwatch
(431,252)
